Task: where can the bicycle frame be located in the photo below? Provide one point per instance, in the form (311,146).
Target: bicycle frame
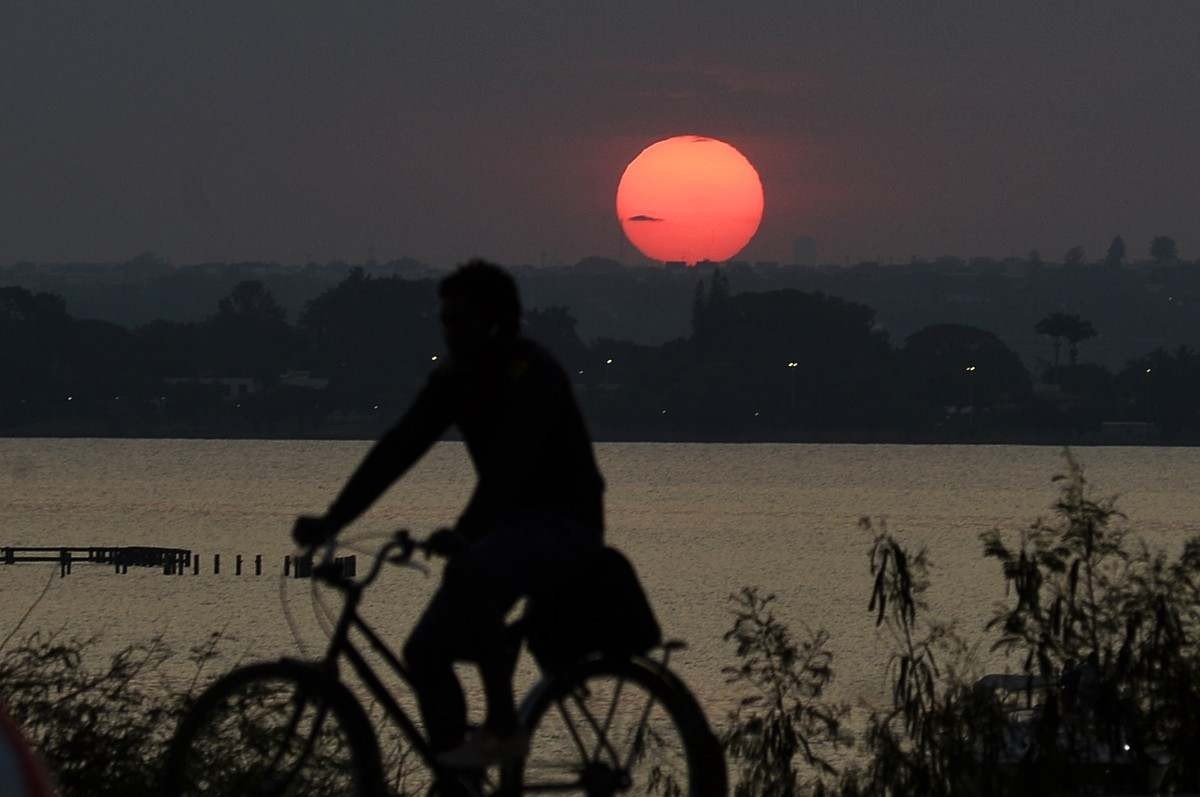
(340,645)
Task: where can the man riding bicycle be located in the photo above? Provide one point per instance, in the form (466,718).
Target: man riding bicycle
(536,512)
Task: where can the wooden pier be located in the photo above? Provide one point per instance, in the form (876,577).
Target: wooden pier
(172,561)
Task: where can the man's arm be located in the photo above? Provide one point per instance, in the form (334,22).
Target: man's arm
(397,451)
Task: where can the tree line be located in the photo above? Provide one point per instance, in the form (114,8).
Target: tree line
(774,364)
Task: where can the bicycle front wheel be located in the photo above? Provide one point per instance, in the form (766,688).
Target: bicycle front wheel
(280,728)
(617,726)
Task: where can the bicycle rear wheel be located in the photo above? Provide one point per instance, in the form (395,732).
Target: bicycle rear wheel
(280,728)
(617,726)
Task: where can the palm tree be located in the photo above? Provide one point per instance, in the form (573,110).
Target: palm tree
(1069,327)
(1078,331)
(1053,326)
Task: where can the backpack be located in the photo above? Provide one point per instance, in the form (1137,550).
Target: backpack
(599,607)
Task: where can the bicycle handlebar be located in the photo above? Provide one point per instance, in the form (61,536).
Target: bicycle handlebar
(398,550)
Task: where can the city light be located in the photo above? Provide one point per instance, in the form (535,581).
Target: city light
(970,369)
(793,364)
(434,358)
(608,361)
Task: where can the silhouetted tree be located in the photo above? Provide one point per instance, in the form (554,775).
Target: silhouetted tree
(956,364)
(1053,326)
(18,305)
(699,307)
(840,357)
(1116,252)
(1074,256)
(554,328)
(1163,386)
(250,300)
(1069,327)
(1164,250)
(719,293)
(249,335)
(368,334)
(1035,258)
(1077,331)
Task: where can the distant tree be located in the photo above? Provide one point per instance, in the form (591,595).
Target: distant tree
(250,299)
(718,295)
(791,351)
(18,304)
(1078,330)
(1164,250)
(554,328)
(1116,253)
(371,335)
(1162,386)
(248,336)
(1069,327)
(1053,326)
(1035,258)
(956,364)
(1074,256)
(699,308)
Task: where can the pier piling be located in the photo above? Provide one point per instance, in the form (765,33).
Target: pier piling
(216,564)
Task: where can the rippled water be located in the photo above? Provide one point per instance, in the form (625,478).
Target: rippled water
(699,521)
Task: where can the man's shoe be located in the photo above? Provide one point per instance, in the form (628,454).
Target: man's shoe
(484,748)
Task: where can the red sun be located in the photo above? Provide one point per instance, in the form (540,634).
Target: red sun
(690,198)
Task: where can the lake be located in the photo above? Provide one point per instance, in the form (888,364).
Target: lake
(699,521)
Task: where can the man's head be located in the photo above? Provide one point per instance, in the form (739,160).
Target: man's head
(481,312)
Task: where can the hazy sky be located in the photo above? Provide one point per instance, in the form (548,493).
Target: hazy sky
(317,130)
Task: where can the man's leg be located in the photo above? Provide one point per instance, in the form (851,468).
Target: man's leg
(429,654)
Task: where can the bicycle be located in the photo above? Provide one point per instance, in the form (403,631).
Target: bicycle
(292,727)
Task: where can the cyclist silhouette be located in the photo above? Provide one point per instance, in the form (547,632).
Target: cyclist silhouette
(536,512)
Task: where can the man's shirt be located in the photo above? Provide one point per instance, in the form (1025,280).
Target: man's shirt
(523,430)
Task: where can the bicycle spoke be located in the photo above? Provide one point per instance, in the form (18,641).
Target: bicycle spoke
(269,735)
(571,727)
(612,710)
(640,729)
(602,736)
(636,744)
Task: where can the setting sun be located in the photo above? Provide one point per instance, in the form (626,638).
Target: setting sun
(690,198)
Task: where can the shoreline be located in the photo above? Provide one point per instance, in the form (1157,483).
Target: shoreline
(1078,440)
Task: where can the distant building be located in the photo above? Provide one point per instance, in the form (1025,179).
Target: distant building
(804,251)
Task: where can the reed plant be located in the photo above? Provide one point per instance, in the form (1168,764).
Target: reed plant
(1103,629)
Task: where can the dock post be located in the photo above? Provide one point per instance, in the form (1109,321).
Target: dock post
(287,565)
(237,565)
(258,564)
(195,564)
(168,563)
(216,564)
(64,562)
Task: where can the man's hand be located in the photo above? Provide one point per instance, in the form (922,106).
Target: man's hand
(311,530)
(445,543)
